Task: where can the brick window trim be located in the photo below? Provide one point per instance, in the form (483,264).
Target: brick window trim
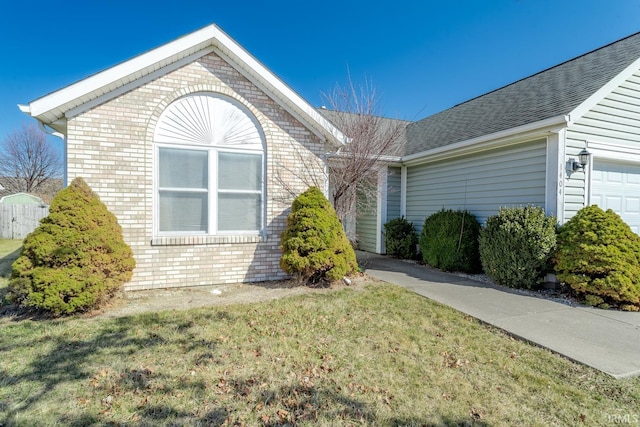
(206,240)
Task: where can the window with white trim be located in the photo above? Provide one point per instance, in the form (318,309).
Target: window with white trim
(209,168)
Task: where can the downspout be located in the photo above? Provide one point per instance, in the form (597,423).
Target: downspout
(52,132)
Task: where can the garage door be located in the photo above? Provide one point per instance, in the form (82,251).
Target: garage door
(616,186)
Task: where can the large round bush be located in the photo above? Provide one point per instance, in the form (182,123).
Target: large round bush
(449,241)
(75,260)
(400,238)
(599,257)
(516,246)
(314,245)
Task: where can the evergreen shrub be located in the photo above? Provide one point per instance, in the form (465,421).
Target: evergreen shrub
(599,257)
(75,260)
(516,246)
(314,245)
(400,238)
(449,241)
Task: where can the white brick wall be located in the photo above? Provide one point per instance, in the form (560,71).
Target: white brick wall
(111,147)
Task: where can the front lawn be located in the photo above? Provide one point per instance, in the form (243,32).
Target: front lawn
(380,356)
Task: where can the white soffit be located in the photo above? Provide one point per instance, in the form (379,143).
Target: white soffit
(56,105)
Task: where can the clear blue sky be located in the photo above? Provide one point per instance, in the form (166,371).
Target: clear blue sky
(422,56)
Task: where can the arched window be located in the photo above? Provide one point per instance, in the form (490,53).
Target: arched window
(209,168)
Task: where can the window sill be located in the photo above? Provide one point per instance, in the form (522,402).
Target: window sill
(206,240)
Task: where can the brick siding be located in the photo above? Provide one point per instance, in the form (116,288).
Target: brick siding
(111,147)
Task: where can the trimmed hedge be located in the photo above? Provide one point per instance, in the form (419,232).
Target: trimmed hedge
(449,241)
(599,257)
(400,238)
(75,260)
(314,245)
(516,246)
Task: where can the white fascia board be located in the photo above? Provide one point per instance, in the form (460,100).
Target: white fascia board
(601,93)
(396,160)
(69,98)
(25,109)
(494,140)
(120,71)
(136,83)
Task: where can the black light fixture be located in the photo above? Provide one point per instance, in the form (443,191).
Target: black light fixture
(582,162)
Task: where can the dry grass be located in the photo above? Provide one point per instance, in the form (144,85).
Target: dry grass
(382,357)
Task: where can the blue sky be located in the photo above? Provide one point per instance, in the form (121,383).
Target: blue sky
(422,56)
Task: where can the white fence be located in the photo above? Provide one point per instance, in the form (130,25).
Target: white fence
(16,221)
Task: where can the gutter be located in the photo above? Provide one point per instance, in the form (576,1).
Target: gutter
(381,158)
(501,138)
(50,131)
(44,128)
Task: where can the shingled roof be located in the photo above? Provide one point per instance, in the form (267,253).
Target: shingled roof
(385,124)
(549,93)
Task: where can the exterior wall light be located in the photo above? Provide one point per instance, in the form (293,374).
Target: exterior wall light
(583,160)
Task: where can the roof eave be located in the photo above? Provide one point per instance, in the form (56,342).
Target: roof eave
(492,140)
(54,106)
(194,41)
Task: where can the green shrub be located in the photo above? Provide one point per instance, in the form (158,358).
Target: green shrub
(75,260)
(516,246)
(400,238)
(599,257)
(314,245)
(449,241)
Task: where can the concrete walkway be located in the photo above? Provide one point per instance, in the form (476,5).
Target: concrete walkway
(603,339)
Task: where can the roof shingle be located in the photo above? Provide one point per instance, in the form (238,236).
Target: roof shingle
(549,93)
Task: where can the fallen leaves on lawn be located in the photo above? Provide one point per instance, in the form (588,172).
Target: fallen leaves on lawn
(476,414)
(452,361)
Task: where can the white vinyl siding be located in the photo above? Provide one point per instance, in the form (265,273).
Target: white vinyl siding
(366,230)
(480,183)
(615,120)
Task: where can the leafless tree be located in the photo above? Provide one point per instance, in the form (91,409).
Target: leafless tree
(352,170)
(28,160)
(373,142)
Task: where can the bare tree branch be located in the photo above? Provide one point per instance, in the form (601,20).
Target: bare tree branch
(27,160)
(352,170)
(374,140)
(293,178)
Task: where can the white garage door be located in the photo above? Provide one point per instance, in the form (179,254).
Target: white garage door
(616,186)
